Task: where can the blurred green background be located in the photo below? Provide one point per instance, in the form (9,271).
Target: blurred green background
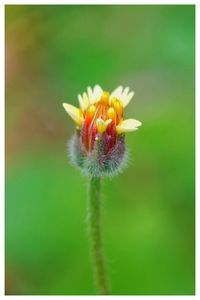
(148,216)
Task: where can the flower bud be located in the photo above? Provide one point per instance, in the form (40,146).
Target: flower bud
(98,146)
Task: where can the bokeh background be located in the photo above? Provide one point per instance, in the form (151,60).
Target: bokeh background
(148,216)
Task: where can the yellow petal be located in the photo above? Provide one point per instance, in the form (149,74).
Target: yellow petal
(111,114)
(105,97)
(128,125)
(118,106)
(102,125)
(107,122)
(74,113)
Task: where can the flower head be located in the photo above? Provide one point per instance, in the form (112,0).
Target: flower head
(98,146)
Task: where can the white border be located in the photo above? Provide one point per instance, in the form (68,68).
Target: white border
(2,139)
(111,2)
(197,149)
(2,120)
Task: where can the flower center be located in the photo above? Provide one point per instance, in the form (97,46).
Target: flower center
(108,110)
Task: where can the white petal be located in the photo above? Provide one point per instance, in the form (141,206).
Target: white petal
(128,125)
(125,92)
(97,90)
(86,100)
(90,93)
(83,101)
(97,93)
(128,98)
(116,93)
(74,113)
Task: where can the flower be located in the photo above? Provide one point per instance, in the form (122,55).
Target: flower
(98,146)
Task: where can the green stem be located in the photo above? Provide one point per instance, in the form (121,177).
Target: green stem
(95,235)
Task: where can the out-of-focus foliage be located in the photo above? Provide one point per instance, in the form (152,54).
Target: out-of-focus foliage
(52,54)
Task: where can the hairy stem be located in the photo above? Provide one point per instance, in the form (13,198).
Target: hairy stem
(95,235)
